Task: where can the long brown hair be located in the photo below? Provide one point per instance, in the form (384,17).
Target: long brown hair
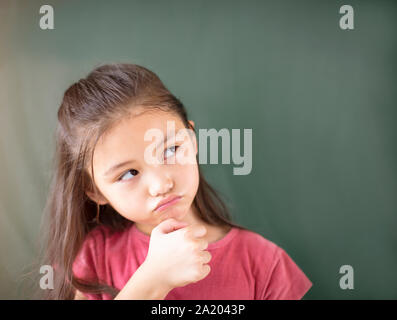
(89,108)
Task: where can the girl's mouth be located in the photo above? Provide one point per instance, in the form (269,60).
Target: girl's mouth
(167,202)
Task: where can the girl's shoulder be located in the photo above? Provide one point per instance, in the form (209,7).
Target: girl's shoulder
(277,273)
(105,234)
(254,240)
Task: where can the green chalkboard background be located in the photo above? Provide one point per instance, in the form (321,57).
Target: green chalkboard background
(321,102)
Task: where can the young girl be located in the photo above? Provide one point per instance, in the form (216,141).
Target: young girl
(121,227)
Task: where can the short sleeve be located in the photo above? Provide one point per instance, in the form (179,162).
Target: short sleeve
(286,280)
(85,264)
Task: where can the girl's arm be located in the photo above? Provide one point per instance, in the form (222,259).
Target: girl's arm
(143,285)
(79,296)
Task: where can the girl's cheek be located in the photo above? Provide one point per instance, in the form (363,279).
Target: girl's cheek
(186,156)
(125,197)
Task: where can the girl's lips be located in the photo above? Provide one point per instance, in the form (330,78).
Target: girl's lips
(167,204)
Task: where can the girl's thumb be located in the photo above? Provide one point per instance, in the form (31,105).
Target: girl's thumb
(170,225)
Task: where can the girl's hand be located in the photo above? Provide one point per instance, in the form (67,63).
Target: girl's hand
(176,253)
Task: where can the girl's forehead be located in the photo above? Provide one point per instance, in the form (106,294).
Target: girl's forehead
(153,119)
(129,132)
(140,122)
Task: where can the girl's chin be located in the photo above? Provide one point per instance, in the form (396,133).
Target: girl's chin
(175,213)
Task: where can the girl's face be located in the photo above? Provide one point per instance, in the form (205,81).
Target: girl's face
(136,187)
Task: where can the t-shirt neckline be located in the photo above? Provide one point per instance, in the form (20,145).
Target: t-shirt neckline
(219,243)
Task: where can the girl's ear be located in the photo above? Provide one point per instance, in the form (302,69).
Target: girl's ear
(191,122)
(97,198)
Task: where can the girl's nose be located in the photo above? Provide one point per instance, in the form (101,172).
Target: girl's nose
(159,183)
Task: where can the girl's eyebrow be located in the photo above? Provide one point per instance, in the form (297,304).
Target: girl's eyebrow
(117,166)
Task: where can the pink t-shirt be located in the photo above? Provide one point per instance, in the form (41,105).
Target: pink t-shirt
(244,266)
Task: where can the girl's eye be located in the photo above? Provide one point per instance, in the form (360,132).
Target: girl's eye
(173,148)
(132,173)
(128,175)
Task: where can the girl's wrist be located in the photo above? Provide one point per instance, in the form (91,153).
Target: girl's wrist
(153,277)
(144,285)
